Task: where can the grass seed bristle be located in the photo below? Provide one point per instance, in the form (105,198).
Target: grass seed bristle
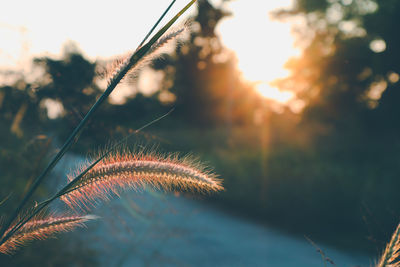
(391,255)
(41,228)
(135,171)
(120,62)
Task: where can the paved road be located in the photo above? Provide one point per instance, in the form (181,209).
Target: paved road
(155,229)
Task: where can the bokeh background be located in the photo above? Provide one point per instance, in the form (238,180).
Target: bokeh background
(292,103)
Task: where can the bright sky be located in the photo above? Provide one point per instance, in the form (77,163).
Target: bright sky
(104,29)
(100,28)
(262,45)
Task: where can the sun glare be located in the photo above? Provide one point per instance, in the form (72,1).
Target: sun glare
(262,45)
(274,93)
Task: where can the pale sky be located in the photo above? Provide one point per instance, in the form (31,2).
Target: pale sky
(100,28)
(103,29)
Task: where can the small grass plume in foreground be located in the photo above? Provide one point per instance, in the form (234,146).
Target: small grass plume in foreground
(136,170)
(41,228)
(118,64)
(391,255)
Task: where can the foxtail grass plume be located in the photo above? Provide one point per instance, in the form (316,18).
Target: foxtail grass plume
(121,62)
(135,171)
(391,255)
(41,228)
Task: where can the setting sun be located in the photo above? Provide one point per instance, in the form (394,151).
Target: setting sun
(262,45)
(274,93)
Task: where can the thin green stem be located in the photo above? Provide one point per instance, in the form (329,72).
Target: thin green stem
(134,59)
(156,24)
(66,189)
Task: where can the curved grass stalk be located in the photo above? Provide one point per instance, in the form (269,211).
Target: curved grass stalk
(41,206)
(133,60)
(123,171)
(42,228)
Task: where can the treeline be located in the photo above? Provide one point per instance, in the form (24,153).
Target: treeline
(330,172)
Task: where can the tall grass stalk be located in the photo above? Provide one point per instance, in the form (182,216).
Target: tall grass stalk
(11,233)
(67,188)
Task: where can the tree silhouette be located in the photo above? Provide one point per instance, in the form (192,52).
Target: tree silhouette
(349,69)
(202,76)
(70,81)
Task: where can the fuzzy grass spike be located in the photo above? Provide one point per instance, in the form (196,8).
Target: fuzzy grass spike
(42,228)
(121,62)
(391,255)
(135,171)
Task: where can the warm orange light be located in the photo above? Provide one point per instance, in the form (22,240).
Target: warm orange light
(262,45)
(274,93)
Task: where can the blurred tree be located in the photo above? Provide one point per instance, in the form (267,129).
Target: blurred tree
(69,81)
(70,85)
(21,139)
(348,71)
(202,78)
(348,74)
